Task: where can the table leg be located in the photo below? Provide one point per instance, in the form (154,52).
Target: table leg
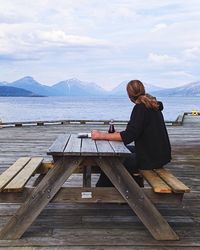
(87,176)
(87,171)
(136,199)
(39,198)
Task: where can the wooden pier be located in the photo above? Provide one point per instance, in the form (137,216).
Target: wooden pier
(104,226)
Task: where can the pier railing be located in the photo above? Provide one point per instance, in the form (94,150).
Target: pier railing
(177,122)
(61,122)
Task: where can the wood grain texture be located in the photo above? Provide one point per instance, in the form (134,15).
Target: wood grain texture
(119,148)
(88,147)
(99,195)
(109,226)
(176,185)
(12,171)
(73,146)
(59,144)
(104,148)
(19,181)
(137,200)
(157,184)
(39,198)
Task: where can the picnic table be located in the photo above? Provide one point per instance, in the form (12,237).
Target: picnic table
(69,153)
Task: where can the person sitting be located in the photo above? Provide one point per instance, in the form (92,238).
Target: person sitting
(146,128)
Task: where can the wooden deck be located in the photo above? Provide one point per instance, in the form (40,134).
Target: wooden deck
(104,226)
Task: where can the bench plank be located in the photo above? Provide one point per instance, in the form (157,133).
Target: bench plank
(158,185)
(12,171)
(19,181)
(172,181)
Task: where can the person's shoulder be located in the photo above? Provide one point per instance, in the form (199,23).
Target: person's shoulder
(139,106)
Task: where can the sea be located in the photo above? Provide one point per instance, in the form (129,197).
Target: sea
(17,109)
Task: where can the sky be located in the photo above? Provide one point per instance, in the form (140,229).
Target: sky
(101,41)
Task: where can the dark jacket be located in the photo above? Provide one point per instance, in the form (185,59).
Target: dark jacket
(147,128)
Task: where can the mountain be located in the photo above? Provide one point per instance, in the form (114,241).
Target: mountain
(75,87)
(70,87)
(28,83)
(3,83)
(121,89)
(191,89)
(12,91)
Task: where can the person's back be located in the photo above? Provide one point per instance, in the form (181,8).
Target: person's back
(152,146)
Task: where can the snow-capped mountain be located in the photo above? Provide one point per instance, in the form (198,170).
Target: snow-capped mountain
(191,89)
(121,88)
(75,87)
(28,83)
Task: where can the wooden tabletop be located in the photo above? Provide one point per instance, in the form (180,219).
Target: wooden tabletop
(70,144)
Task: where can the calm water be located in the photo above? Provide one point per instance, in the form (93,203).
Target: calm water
(55,108)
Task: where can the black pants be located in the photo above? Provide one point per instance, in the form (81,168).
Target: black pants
(130,164)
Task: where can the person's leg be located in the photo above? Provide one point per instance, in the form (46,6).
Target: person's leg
(104,181)
(131,165)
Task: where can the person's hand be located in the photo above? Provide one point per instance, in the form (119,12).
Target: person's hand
(96,135)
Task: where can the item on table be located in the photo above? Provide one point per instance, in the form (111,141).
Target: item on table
(111,127)
(84,135)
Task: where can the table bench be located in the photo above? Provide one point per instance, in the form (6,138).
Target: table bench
(14,180)
(74,155)
(163,181)
(18,174)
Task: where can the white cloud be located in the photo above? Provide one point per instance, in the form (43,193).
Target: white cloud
(182,74)
(162,59)
(100,40)
(159,26)
(192,53)
(59,36)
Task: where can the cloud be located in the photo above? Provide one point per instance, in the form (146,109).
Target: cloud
(60,37)
(23,42)
(182,74)
(192,53)
(162,59)
(100,41)
(20,57)
(159,26)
